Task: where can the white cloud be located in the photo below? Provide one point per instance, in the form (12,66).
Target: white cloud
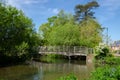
(34,1)
(54,10)
(19,3)
(13,3)
(108,9)
(30,2)
(111,5)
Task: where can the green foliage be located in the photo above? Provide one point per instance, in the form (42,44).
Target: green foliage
(21,49)
(67,34)
(90,33)
(54,55)
(83,12)
(112,61)
(106,73)
(51,58)
(69,77)
(62,30)
(17,34)
(102,51)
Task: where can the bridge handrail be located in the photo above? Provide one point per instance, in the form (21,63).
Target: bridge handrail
(64,49)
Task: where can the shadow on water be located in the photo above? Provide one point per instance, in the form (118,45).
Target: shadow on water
(18,72)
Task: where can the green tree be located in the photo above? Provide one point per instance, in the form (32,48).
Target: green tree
(90,33)
(17,32)
(65,31)
(83,12)
(67,34)
(53,22)
(90,29)
(61,30)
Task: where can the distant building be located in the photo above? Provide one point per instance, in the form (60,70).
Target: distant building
(115,46)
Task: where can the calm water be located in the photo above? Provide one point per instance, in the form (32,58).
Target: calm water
(47,71)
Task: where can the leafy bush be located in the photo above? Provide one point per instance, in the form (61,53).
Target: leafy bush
(106,73)
(102,51)
(112,61)
(21,49)
(54,56)
(17,35)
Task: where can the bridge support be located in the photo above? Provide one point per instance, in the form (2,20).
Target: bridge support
(80,57)
(69,57)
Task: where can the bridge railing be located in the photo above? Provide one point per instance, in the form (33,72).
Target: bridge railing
(65,49)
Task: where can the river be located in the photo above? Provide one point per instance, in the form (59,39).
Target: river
(47,71)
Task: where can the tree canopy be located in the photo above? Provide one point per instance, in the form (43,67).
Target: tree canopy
(63,30)
(91,33)
(18,37)
(83,12)
(17,34)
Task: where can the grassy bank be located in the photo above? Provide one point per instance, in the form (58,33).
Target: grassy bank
(106,69)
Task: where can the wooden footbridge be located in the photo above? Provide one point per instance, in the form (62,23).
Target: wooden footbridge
(69,51)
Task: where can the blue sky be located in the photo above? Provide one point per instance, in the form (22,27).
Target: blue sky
(39,10)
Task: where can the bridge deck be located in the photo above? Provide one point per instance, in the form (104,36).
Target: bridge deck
(64,50)
(64,53)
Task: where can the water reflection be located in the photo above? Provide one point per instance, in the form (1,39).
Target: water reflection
(19,72)
(52,71)
(46,71)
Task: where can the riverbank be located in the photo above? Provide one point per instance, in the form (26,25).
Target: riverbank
(107,69)
(57,69)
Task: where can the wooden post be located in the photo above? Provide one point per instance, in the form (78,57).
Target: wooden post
(53,49)
(74,49)
(80,49)
(69,52)
(63,48)
(58,49)
(87,51)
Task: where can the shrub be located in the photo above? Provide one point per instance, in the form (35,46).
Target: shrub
(54,56)
(102,51)
(112,61)
(21,49)
(106,73)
